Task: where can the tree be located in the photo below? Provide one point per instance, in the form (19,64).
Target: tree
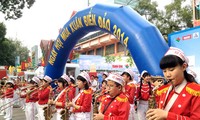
(12,9)
(21,51)
(175,17)
(147,9)
(7,55)
(10,49)
(2,31)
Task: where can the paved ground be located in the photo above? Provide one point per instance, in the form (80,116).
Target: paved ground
(18,114)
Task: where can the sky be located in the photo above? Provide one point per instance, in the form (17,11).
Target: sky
(43,20)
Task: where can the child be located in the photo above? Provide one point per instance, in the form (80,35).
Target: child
(2,99)
(130,90)
(72,87)
(31,99)
(143,94)
(115,106)
(180,98)
(60,100)
(81,104)
(43,95)
(9,93)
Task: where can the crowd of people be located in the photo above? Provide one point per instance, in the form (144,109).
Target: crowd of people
(176,96)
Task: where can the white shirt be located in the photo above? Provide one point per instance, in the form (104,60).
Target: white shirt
(94,85)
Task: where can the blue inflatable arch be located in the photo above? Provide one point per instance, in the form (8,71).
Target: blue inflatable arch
(142,38)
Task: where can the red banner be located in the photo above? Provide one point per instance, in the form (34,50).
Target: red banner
(23,66)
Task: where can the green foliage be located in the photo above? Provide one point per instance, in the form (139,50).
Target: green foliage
(7,55)
(175,17)
(109,59)
(76,55)
(2,31)
(10,49)
(21,50)
(119,58)
(12,9)
(148,9)
(130,59)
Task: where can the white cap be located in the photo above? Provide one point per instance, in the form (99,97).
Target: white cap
(47,78)
(116,78)
(36,79)
(41,76)
(65,77)
(130,72)
(85,76)
(5,77)
(189,71)
(10,81)
(105,73)
(144,71)
(177,52)
(72,77)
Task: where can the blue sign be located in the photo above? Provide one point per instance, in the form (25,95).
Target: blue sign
(17,61)
(189,41)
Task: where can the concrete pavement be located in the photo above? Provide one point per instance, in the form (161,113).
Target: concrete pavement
(18,114)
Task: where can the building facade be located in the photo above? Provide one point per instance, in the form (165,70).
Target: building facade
(100,43)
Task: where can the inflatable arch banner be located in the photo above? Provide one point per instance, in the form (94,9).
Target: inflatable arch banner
(142,38)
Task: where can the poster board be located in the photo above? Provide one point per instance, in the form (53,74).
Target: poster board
(189,41)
